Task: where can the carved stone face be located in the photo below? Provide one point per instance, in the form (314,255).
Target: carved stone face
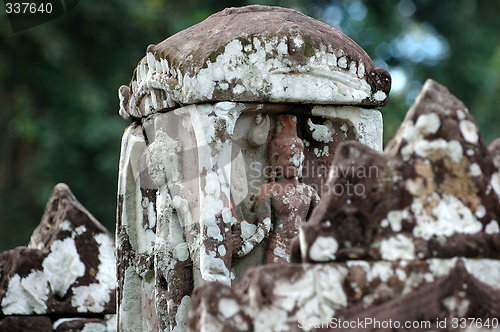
(286,149)
(289,161)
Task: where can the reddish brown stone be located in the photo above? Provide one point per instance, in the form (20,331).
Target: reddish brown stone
(25,324)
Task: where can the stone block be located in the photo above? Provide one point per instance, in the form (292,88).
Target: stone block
(24,324)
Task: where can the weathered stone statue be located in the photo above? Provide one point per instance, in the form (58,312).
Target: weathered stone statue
(284,202)
(198,194)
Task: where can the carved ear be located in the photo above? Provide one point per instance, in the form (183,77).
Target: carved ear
(257,136)
(124,95)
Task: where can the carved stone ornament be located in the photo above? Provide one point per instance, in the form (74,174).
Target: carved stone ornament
(407,236)
(65,277)
(236,121)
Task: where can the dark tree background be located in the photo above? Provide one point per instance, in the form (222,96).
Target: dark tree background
(59,117)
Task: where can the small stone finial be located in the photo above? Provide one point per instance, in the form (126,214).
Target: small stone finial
(67,271)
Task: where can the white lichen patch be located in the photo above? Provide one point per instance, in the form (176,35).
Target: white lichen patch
(212,229)
(94,297)
(297,160)
(247,229)
(213,268)
(27,295)
(414,280)
(425,149)
(312,297)
(280,251)
(63,266)
(401,274)
(345,129)
(329,281)
(469,131)
(492,227)
(80,229)
(460,115)
(296,292)
(394,219)
(315,313)
(382,270)
(253,235)
(228,307)
(321,152)
(441,267)
(475,170)
(271,319)
(323,249)
(321,133)
(448,217)
(222,250)
(90,298)
(426,124)
(94,327)
(495,183)
(397,248)
(480,211)
(181,314)
(367,124)
(106,272)
(65,225)
(486,271)
(379,96)
(414,134)
(456,306)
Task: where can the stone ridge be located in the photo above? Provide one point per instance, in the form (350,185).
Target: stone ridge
(66,272)
(254,54)
(433,193)
(319,297)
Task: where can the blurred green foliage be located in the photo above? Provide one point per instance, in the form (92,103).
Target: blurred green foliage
(59,81)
